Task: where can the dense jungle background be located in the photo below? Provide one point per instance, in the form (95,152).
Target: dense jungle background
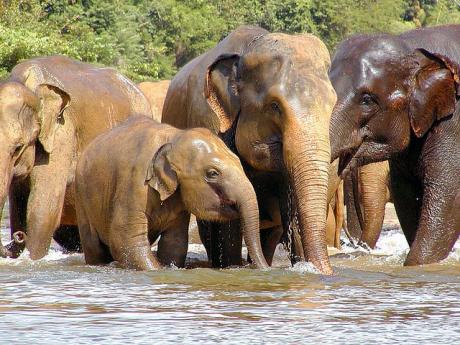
(152,39)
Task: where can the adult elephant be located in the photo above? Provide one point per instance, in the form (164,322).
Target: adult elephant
(268,96)
(373,183)
(398,100)
(50,109)
(335,218)
(155,92)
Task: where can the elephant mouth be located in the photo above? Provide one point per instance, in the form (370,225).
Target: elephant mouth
(220,212)
(228,209)
(269,154)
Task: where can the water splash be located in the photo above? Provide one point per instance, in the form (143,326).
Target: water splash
(304,267)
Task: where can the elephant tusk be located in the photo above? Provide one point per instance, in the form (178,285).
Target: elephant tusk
(19,237)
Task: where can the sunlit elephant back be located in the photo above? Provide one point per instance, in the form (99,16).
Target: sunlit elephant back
(155,91)
(50,109)
(269,97)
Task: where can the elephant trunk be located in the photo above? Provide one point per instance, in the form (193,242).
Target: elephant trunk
(249,213)
(374,192)
(340,128)
(5,178)
(307,156)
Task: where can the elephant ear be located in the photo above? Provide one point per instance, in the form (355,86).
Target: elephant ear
(435,90)
(160,175)
(23,105)
(221,89)
(53,103)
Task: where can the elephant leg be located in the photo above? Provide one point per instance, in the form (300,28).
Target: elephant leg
(223,242)
(339,215)
(67,237)
(438,230)
(297,253)
(204,230)
(96,253)
(439,224)
(270,238)
(18,196)
(330,227)
(173,243)
(131,248)
(44,209)
(48,183)
(407,198)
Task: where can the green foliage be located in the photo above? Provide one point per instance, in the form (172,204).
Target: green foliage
(151,39)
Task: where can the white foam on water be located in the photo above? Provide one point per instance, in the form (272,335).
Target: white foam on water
(304,267)
(391,242)
(55,255)
(393,245)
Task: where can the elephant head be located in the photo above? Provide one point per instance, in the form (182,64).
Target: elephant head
(212,183)
(276,97)
(387,94)
(26,118)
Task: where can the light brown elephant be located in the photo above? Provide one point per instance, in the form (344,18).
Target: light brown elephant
(141,180)
(268,96)
(373,184)
(50,109)
(335,218)
(155,91)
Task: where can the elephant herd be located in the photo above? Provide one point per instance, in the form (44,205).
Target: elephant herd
(253,137)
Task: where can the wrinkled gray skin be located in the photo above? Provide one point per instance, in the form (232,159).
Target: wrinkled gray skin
(268,96)
(140,182)
(50,109)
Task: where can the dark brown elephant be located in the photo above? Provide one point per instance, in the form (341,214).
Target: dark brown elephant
(140,182)
(50,109)
(373,195)
(155,92)
(398,100)
(268,96)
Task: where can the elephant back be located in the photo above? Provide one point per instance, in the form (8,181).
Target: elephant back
(100,98)
(185,104)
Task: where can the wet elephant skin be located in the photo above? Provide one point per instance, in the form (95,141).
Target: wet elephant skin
(398,100)
(50,109)
(268,96)
(373,194)
(140,182)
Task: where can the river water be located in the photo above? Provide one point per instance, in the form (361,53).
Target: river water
(370,299)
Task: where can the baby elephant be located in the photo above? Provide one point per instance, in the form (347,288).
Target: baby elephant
(141,181)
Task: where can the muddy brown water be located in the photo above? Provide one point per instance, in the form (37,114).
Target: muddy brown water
(370,299)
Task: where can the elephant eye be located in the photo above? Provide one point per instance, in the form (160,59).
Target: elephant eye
(275,107)
(212,174)
(367,99)
(18,148)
